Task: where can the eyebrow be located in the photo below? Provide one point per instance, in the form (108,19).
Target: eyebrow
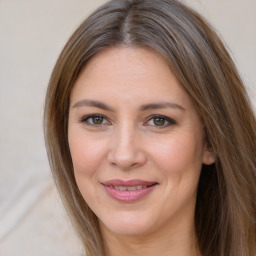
(93,103)
(101,105)
(160,105)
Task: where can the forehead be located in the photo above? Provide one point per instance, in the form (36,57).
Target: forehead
(128,73)
(124,60)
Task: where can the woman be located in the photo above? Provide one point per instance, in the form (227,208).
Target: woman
(151,136)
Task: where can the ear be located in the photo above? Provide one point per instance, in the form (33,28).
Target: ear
(208,155)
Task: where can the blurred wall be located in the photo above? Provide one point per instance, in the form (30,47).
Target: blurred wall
(32,34)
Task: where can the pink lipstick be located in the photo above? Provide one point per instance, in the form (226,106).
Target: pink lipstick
(128,191)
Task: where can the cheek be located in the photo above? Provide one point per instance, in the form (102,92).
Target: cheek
(87,156)
(86,153)
(178,154)
(179,160)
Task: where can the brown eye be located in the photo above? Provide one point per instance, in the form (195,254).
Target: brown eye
(97,120)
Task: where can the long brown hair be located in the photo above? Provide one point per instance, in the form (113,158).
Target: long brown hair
(225,216)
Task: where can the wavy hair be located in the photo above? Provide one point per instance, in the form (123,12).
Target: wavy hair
(225,214)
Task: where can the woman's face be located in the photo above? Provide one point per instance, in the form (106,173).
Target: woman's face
(136,142)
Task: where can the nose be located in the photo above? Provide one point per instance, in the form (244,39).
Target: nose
(126,151)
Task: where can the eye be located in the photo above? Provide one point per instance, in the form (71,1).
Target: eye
(94,120)
(160,121)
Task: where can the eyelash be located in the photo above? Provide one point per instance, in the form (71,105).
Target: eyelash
(167,121)
(86,119)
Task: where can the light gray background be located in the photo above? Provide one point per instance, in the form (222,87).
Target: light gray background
(32,34)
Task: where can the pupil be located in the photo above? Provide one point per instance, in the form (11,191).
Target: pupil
(98,120)
(159,121)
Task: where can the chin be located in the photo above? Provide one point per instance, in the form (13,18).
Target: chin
(128,225)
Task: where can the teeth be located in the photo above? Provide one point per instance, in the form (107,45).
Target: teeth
(122,188)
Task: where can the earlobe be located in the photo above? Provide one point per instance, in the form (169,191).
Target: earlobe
(208,157)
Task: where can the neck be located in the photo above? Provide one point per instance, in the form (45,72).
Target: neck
(178,240)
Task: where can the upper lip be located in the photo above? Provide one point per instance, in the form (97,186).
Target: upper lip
(128,183)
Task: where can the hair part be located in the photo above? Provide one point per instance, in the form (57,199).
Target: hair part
(225,213)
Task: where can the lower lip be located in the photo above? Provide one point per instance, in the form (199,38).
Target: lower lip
(128,196)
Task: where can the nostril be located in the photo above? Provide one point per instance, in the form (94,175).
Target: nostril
(127,160)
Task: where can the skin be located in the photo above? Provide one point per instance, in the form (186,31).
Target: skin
(129,142)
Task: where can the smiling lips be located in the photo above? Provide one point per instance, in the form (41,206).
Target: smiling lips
(128,191)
